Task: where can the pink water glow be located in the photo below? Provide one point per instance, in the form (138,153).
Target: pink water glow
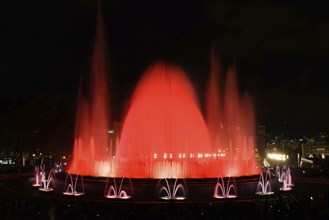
(164,130)
(91,153)
(164,134)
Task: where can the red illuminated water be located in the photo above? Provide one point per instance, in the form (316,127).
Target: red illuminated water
(164,134)
(233,126)
(213,103)
(91,153)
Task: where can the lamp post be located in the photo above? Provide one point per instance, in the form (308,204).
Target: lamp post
(111,132)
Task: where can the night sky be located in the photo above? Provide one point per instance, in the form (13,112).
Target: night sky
(279,48)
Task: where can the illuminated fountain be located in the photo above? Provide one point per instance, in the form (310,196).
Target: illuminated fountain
(231,123)
(114,192)
(286,180)
(285,186)
(223,191)
(164,134)
(167,192)
(37,176)
(91,153)
(280,173)
(289,181)
(264,184)
(46,181)
(58,167)
(71,189)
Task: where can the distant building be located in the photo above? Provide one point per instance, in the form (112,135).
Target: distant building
(261,140)
(316,146)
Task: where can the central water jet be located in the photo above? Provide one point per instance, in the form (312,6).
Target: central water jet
(164,134)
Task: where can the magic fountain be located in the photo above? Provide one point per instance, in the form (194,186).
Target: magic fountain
(164,133)
(286,180)
(71,189)
(264,187)
(113,191)
(37,176)
(175,192)
(90,153)
(225,191)
(46,180)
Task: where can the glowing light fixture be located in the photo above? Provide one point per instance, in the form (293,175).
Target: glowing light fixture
(277,156)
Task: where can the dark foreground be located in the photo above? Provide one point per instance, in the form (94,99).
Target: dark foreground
(308,200)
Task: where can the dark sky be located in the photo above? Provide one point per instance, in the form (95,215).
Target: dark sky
(280,50)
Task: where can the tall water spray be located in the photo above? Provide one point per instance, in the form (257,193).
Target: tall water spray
(213,103)
(231,123)
(164,134)
(91,153)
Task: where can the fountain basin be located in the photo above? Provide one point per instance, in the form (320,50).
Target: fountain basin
(179,198)
(36,185)
(285,188)
(46,189)
(147,189)
(225,197)
(117,197)
(264,193)
(73,194)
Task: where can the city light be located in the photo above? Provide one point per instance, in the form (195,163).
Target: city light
(277,156)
